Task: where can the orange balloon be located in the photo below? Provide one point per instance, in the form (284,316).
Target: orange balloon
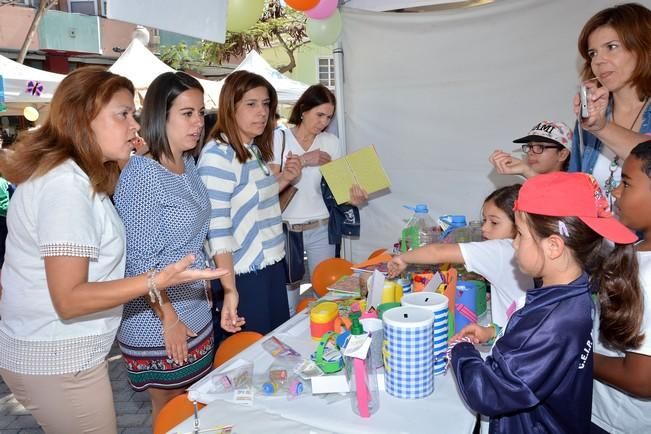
(328,272)
(302,5)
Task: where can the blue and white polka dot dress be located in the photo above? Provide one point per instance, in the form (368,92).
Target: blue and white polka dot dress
(166,216)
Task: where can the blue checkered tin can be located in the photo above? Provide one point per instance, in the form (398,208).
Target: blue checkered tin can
(436,304)
(408,352)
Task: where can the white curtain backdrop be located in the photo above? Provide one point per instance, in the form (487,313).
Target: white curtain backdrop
(436,92)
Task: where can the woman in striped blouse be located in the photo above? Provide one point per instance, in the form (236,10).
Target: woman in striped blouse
(245,233)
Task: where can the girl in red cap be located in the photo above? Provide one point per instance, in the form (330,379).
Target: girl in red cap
(538,377)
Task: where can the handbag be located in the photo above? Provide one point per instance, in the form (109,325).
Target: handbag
(294,252)
(287,194)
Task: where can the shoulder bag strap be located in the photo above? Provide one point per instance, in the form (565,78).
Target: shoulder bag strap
(282,151)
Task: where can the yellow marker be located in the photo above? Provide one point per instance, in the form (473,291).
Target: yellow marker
(386,355)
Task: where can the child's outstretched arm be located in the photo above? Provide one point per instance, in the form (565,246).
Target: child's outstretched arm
(631,373)
(477,334)
(429,254)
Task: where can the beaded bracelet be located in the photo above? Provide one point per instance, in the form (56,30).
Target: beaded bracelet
(154,292)
(498,330)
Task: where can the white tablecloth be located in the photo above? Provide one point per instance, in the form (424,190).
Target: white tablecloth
(443,411)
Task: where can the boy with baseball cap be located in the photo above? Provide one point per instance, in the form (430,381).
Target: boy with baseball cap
(546,147)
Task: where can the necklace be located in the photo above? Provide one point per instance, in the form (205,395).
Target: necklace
(305,140)
(611,183)
(258,156)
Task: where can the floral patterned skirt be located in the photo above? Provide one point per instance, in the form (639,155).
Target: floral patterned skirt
(150,367)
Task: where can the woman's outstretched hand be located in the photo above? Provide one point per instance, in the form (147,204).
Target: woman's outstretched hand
(180,272)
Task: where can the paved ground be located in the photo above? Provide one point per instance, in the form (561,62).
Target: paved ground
(133,408)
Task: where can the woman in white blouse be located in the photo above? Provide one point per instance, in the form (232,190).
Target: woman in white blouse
(63,277)
(307,139)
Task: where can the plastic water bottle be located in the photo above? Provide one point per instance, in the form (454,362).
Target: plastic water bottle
(475,230)
(420,229)
(453,223)
(463,234)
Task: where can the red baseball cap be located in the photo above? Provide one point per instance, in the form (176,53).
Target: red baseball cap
(562,194)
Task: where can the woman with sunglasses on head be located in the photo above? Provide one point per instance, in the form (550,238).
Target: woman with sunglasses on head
(245,234)
(545,148)
(614,44)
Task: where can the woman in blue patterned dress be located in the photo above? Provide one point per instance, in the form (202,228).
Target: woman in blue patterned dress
(165,210)
(245,233)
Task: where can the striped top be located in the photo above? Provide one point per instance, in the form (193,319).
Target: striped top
(245,217)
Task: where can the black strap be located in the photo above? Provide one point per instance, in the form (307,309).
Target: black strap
(282,151)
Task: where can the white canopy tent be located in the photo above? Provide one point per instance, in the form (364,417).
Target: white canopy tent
(19,93)
(141,66)
(437,92)
(288,90)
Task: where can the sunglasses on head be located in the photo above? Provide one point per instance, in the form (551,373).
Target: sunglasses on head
(538,149)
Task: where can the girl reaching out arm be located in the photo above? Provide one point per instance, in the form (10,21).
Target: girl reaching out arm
(497,213)
(493,258)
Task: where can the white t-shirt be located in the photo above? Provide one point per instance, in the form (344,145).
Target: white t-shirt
(495,260)
(57,214)
(613,410)
(307,204)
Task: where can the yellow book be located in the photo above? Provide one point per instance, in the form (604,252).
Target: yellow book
(361,167)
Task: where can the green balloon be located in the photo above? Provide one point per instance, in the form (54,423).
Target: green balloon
(324,32)
(243,14)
